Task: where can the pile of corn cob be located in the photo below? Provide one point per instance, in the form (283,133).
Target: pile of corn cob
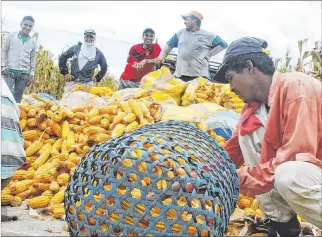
(230,100)
(55,140)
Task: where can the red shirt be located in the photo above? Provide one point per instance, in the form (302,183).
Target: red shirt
(137,54)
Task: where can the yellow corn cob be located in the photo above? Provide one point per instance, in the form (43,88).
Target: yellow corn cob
(42,186)
(96,119)
(64,147)
(42,134)
(30,135)
(118,130)
(54,186)
(119,117)
(23,123)
(67,113)
(47,193)
(255,205)
(57,198)
(31,171)
(23,114)
(134,105)
(63,179)
(93,112)
(57,144)
(31,122)
(24,195)
(42,158)
(20,175)
(56,129)
(62,156)
(129,118)
(43,148)
(101,137)
(38,202)
(94,130)
(20,186)
(110,109)
(57,116)
(32,113)
(65,129)
(80,115)
(5,199)
(130,127)
(26,144)
(43,178)
(58,212)
(125,107)
(105,123)
(244,202)
(50,141)
(70,139)
(160,226)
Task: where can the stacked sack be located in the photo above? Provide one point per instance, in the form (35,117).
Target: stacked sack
(200,90)
(230,100)
(55,140)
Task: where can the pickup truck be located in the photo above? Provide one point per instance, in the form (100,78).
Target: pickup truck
(170,62)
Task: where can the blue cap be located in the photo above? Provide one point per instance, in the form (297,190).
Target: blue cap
(239,47)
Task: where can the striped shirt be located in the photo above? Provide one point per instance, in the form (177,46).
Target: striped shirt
(12,150)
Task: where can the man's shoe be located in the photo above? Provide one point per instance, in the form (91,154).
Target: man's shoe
(292,228)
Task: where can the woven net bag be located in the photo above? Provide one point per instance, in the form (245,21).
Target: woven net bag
(164,179)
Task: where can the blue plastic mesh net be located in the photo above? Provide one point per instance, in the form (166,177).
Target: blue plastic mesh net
(163,179)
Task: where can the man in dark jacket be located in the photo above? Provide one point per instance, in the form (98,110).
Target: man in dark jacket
(84,60)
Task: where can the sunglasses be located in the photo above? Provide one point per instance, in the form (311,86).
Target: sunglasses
(148,35)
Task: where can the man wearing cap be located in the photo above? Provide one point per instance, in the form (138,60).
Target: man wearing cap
(195,47)
(140,60)
(287,175)
(85,58)
(18,58)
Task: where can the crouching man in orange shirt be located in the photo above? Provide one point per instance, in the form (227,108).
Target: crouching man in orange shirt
(289,167)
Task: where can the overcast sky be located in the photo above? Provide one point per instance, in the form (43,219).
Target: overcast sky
(119,25)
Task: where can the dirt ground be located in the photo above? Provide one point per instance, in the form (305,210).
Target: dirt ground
(26,225)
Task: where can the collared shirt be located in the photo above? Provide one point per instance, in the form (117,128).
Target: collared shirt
(17,55)
(12,150)
(293,131)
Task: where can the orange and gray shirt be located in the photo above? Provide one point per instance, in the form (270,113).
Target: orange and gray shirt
(293,131)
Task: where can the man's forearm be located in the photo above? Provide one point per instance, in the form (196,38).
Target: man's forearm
(166,50)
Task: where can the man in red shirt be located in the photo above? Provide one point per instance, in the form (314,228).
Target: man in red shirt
(289,167)
(140,60)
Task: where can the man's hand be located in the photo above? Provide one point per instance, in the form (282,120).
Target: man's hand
(30,80)
(158,61)
(69,77)
(141,64)
(94,79)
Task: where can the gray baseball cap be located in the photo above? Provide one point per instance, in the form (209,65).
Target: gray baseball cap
(238,47)
(90,31)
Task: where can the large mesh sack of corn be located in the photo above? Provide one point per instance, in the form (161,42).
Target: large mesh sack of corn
(165,179)
(164,81)
(230,100)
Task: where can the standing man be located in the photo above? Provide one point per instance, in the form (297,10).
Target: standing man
(140,60)
(85,58)
(18,58)
(13,154)
(195,47)
(289,169)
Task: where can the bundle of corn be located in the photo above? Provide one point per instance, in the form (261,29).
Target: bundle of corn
(163,179)
(201,90)
(55,140)
(230,100)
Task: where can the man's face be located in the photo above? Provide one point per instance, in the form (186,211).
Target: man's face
(189,23)
(26,27)
(243,84)
(89,38)
(148,38)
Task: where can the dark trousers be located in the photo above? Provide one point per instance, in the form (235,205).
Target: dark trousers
(17,83)
(187,78)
